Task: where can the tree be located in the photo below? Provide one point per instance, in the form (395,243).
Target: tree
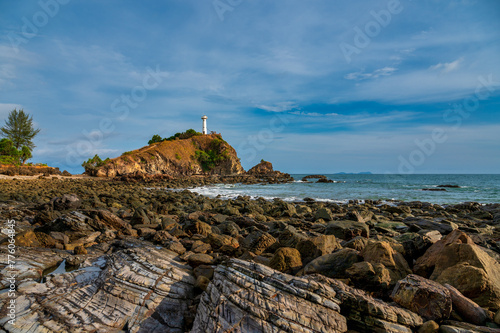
(25,154)
(156,138)
(19,129)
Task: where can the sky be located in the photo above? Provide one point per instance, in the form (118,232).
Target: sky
(318,86)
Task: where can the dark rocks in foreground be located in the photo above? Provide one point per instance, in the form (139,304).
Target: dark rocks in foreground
(174,261)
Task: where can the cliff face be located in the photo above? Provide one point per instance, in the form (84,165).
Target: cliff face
(198,155)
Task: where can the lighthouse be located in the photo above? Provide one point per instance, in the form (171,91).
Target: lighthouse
(204,118)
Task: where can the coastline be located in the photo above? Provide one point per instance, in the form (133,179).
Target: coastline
(106,228)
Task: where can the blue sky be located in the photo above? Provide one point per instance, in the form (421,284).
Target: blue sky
(319,86)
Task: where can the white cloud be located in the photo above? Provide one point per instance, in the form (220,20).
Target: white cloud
(385,71)
(447,66)
(279,107)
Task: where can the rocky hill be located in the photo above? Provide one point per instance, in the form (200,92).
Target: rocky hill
(198,155)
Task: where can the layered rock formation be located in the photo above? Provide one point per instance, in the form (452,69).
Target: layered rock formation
(174,158)
(137,289)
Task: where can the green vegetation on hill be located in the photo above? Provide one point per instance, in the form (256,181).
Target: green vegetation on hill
(183,135)
(210,158)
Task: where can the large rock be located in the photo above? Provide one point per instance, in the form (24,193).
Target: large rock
(257,242)
(67,201)
(467,309)
(456,260)
(29,263)
(367,314)
(380,252)
(333,265)
(286,259)
(347,229)
(314,247)
(139,289)
(425,297)
(249,297)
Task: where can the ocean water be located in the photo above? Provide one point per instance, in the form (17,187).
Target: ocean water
(479,188)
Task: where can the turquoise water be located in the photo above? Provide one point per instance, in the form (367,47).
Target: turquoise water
(479,188)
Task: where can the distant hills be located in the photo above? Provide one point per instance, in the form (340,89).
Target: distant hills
(353,173)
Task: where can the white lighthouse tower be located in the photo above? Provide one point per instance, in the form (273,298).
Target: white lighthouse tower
(204,118)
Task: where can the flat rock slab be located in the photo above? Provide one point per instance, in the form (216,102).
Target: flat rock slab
(29,263)
(139,289)
(250,297)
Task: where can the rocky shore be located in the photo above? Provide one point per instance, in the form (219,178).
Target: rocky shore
(139,254)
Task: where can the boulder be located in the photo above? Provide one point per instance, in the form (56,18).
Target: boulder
(249,297)
(198,227)
(425,297)
(66,202)
(367,314)
(197,259)
(456,260)
(314,247)
(257,242)
(467,309)
(380,252)
(286,259)
(347,229)
(368,276)
(333,265)
(218,241)
(323,213)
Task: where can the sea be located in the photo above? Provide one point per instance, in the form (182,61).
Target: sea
(484,189)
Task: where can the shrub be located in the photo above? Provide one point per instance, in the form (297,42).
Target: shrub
(184,135)
(213,156)
(93,163)
(156,138)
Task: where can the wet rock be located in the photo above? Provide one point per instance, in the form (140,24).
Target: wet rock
(347,229)
(287,260)
(29,264)
(334,264)
(248,297)
(425,297)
